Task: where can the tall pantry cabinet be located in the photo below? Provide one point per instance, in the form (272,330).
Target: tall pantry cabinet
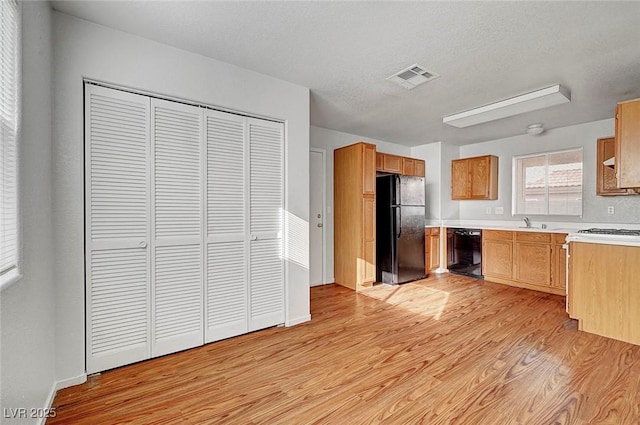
(355,214)
(183,226)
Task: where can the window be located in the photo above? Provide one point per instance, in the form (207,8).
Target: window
(548,183)
(9,125)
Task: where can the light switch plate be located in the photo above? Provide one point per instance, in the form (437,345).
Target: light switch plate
(499,210)
(487,210)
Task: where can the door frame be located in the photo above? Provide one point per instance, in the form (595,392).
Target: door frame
(323,154)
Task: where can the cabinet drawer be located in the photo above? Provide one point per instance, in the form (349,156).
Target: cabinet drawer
(559,238)
(500,235)
(533,237)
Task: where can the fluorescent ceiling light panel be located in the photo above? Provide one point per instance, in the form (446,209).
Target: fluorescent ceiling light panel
(539,99)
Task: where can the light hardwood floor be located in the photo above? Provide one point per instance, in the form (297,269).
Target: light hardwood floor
(444,350)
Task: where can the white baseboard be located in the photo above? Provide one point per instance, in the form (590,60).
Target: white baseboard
(298,320)
(58,385)
(70,382)
(48,402)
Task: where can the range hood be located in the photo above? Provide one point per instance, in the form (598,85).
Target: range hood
(611,162)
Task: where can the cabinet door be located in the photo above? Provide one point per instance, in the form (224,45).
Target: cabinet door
(628,144)
(177,192)
(460,188)
(266,268)
(434,249)
(392,164)
(606,182)
(533,263)
(559,268)
(369,170)
(497,258)
(368,240)
(420,170)
(409,166)
(427,252)
(118,306)
(479,177)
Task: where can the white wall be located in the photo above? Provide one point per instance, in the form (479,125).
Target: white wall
(437,158)
(27,307)
(594,207)
(329,140)
(83,49)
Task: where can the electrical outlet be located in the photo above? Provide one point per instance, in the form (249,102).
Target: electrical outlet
(499,210)
(611,210)
(487,210)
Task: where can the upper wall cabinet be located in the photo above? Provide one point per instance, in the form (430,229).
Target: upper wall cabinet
(389,163)
(627,142)
(606,182)
(474,178)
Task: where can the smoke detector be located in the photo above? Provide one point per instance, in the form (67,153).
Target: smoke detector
(412,77)
(535,129)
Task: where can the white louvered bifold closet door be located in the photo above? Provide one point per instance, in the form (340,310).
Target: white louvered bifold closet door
(177,260)
(266,270)
(226,253)
(117,228)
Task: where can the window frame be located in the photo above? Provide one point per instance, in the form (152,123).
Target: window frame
(14,274)
(546,154)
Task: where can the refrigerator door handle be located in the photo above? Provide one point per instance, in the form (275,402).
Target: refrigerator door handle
(397,193)
(399,221)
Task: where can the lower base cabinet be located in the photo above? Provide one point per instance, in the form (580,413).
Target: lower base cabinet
(532,260)
(432,249)
(605,303)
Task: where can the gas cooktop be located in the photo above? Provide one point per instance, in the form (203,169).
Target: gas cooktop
(617,232)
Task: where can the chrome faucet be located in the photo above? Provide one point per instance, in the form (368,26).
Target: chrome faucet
(527,222)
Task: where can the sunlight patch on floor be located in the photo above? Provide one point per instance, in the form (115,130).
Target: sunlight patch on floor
(416,299)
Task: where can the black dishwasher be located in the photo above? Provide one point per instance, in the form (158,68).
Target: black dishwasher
(464,252)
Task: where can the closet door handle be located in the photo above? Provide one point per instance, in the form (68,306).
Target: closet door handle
(254,237)
(142,244)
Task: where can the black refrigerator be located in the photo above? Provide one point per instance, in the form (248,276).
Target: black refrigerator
(399,228)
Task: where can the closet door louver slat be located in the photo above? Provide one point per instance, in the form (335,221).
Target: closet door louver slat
(266,277)
(226,271)
(177,285)
(117,272)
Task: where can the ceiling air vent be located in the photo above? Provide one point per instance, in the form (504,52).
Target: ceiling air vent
(412,76)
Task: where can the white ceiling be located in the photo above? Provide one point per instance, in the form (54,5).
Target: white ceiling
(343,51)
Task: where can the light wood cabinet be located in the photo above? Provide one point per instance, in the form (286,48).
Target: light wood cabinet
(497,254)
(355,214)
(474,178)
(420,168)
(559,262)
(533,263)
(605,303)
(408,166)
(432,249)
(524,259)
(396,164)
(606,182)
(627,144)
(389,163)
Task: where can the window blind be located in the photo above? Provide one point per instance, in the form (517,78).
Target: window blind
(9,124)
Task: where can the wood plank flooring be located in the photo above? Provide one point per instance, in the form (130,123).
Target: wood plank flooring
(444,350)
